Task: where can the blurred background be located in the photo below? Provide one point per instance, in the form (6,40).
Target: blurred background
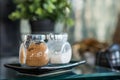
(98,20)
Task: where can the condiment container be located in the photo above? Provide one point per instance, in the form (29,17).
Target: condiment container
(59,49)
(34,51)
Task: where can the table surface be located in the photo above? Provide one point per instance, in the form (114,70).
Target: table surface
(83,71)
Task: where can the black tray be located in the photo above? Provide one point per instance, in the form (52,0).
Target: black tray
(44,69)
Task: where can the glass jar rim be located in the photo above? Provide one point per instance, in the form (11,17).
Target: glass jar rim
(48,36)
(34,37)
(58,36)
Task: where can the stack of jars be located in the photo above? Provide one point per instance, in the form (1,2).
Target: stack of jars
(43,49)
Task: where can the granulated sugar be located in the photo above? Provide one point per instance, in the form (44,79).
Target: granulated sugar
(60,58)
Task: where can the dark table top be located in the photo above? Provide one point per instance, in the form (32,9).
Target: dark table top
(83,71)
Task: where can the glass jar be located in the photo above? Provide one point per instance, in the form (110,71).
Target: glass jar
(59,49)
(34,51)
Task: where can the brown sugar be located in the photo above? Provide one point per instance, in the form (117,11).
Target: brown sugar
(36,54)
(22,54)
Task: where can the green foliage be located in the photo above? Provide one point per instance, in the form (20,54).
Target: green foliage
(56,10)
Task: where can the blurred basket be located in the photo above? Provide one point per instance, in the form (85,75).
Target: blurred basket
(109,58)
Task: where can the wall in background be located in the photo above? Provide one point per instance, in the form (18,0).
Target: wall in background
(94,19)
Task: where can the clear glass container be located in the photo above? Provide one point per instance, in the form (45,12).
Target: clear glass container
(34,51)
(59,49)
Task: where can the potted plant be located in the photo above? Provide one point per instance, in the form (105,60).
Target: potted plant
(42,13)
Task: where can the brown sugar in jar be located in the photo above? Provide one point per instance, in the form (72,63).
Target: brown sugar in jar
(22,56)
(36,54)
(34,51)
